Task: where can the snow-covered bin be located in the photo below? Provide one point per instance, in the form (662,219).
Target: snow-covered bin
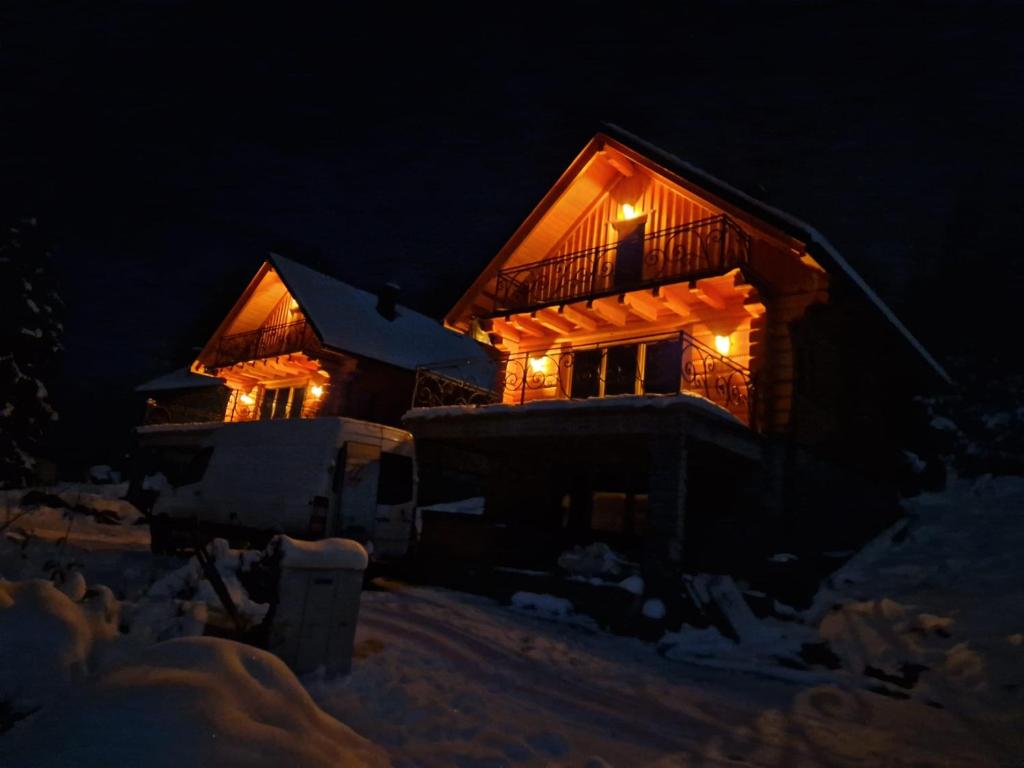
(318,603)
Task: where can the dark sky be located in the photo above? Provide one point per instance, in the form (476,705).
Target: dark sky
(168,145)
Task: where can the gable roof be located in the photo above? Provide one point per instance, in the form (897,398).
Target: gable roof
(346,319)
(716,192)
(816,244)
(179,378)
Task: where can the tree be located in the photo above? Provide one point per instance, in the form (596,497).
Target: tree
(31,312)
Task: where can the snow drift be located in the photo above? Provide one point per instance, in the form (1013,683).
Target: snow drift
(190,701)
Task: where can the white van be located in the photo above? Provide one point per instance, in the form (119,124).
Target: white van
(308,478)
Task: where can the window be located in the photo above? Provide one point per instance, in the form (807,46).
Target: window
(282,403)
(662,366)
(620,370)
(651,367)
(395,483)
(618,513)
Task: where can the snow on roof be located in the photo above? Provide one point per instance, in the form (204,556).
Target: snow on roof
(179,378)
(684,399)
(346,319)
(816,243)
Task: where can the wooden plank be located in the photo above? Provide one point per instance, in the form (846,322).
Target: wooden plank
(582,319)
(674,297)
(529,326)
(506,331)
(707,295)
(640,305)
(609,309)
(550,319)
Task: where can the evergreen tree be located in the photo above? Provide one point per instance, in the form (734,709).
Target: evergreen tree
(30,348)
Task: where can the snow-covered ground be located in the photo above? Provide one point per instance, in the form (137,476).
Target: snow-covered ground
(919,661)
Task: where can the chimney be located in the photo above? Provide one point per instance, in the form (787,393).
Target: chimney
(387,298)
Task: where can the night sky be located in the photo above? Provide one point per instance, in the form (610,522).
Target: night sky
(167,146)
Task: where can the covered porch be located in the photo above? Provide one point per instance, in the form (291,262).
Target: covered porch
(661,479)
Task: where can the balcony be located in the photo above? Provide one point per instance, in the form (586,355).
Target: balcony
(666,364)
(268,341)
(690,251)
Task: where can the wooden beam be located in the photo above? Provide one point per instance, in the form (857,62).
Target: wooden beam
(529,326)
(673,297)
(754,307)
(609,309)
(642,304)
(576,317)
(506,331)
(550,319)
(706,295)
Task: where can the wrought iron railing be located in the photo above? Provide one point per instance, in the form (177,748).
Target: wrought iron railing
(175,413)
(664,364)
(268,341)
(452,383)
(690,251)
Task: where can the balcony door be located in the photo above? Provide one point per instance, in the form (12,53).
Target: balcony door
(629,257)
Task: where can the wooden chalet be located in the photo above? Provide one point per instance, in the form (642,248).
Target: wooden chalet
(299,344)
(684,372)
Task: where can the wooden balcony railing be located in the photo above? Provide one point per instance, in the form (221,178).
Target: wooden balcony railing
(269,341)
(698,249)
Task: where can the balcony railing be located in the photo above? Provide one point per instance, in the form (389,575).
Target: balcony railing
(690,251)
(663,365)
(269,341)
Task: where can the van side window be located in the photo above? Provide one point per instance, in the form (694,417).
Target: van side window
(395,483)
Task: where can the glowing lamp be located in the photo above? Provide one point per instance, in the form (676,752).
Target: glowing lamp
(316,391)
(248,399)
(629,212)
(538,364)
(723,344)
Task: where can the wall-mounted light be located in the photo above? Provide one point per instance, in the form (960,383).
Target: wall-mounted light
(723,344)
(629,212)
(316,391)
(540,365)
(248,399)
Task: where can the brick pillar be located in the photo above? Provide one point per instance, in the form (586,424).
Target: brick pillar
(666,519)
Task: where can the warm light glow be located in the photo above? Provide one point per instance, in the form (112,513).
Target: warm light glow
(629,212)
(723,344)
(248,399)
(316,391)
(537,364)
(293,305)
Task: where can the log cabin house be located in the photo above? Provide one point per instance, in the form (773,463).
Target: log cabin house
(296,344)
(685,373)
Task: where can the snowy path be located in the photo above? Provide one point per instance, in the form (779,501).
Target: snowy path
(444,678)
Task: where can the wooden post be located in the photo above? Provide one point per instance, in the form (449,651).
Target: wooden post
(666,519)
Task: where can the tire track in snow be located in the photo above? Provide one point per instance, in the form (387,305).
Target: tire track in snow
(641,720)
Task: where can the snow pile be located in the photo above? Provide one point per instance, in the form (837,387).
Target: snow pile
(543,605)
(633,584)
(82,518)
(470,506)
(929,613)
(195,701)
(182,602)
(326,553)
(49,639)
(596,559)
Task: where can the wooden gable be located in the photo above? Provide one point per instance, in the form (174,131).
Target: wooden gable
(582,208)
(264,302)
